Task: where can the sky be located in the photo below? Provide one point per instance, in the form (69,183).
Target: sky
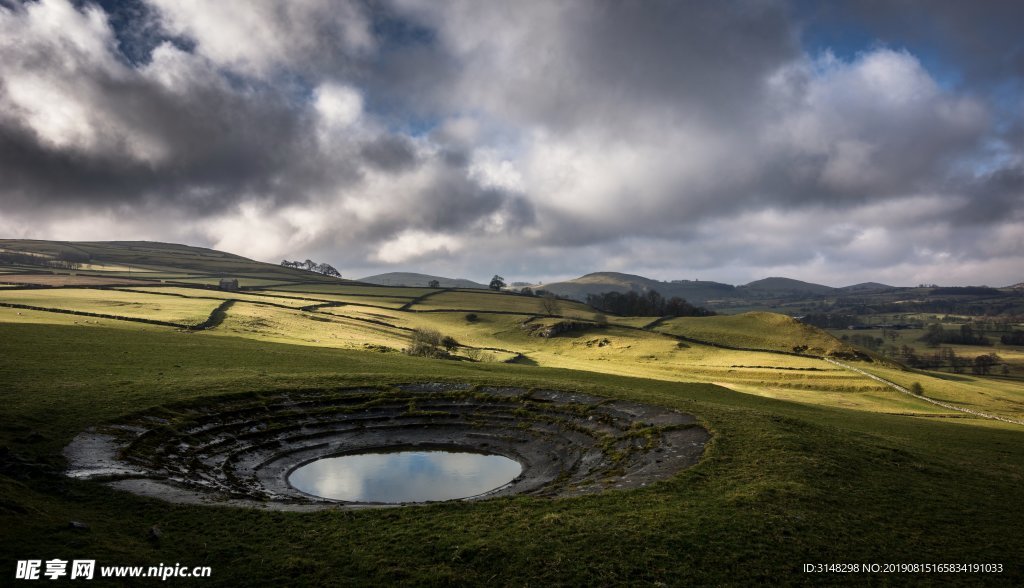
(836,142)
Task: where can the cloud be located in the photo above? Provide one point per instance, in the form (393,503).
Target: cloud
(543,137)
(260,37)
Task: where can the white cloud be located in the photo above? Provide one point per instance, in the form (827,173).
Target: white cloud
(338,105)
(411,245)
(257,37)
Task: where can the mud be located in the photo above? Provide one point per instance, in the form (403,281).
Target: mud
(239,451)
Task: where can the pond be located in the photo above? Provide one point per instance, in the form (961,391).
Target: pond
(405,476)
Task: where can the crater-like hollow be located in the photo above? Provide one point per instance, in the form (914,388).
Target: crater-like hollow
(281,449)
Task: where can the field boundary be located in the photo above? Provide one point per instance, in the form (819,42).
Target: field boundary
(422,297)
(99,315)
(903,390)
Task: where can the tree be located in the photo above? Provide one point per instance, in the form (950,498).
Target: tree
(434,284)
(916,388)
(526,291)
(550,304)
(983,364)
(327,270)
(497,282)
(449,343)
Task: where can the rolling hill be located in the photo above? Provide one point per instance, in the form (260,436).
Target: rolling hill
(695,291)
(152,260)
(596,283)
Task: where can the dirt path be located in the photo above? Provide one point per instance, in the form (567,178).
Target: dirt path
(903,390)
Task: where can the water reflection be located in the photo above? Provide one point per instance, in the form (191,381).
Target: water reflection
(405,476)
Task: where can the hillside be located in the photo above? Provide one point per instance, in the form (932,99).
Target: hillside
(419,280)
(757,330)
(696,292)
(153,261)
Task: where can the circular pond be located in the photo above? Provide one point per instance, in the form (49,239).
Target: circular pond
(404,476)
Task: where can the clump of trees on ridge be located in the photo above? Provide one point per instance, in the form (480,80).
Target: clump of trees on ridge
(311,266)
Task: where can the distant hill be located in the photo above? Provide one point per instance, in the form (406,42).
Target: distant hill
(153,260)
(600,282)
(785,286)
(413,279)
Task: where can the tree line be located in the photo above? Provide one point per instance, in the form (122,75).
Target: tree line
(947,358)
(70,260)
(311,266)
(1014,338)
(936,335)
(650,303)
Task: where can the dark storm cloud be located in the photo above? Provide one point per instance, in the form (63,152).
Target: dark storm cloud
(573,63)
(391,153)
(220,147)
(995,197)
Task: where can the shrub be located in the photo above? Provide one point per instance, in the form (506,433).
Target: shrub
(425,343)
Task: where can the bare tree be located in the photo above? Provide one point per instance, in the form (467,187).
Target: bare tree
(550,304)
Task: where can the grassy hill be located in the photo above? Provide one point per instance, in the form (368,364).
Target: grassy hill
(757,330)
(809,461)
(422,280)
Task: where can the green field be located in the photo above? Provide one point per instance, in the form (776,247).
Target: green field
(494,302)
(809,462)
(187,311)
(354,289)
(1012,355)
